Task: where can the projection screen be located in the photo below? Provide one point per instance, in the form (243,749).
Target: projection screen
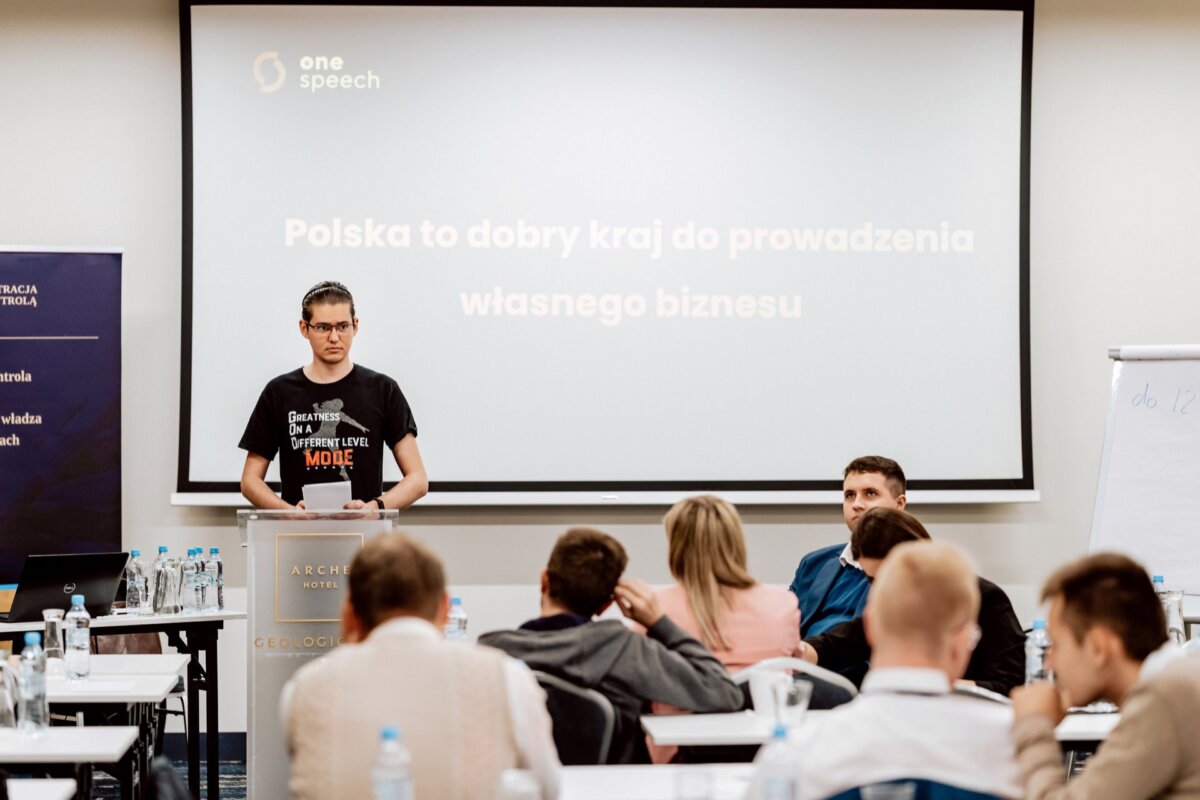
(621,249)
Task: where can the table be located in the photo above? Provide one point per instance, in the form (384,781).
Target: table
(139,664)
(78,747)
(192,634)
(111,689)
(41,788)
(747,728)
(643,782)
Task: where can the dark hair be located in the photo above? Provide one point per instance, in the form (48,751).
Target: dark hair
(897,484)
(1112,590)
(394,573)
(326,293)
(584,568)
(880,529)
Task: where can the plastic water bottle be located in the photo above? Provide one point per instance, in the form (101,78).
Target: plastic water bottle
(777,768)
(392,775)
(189,595)
(34,711)
(1036,645)
(456,622)
(135,583)
(1172,603)
(164,586)
(77,629)
(215,570)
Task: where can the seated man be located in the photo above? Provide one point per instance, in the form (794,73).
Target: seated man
(998,663)
(1109,632)
(466,713)
(666,665)
(907,725)
(830,586)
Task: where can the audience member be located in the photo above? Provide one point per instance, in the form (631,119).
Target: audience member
(581,580)
(998,663)
(830,585)
(716,601)
(467,713)
(907,725)
(1109,638)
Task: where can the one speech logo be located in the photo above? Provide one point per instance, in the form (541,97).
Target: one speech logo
(280,73)
(68,588)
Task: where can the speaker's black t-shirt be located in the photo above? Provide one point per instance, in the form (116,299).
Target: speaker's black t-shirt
(327,432)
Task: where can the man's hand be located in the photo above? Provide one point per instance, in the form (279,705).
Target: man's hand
(1039,699)
(636,600)
(355,505)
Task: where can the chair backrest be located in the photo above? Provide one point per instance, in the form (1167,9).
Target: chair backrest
(830,689)
(912,789)
(583,721)
(165,783)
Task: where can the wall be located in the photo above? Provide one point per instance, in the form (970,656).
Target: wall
(90,155)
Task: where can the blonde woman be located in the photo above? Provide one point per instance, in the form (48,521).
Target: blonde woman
(716,601)
(740,620)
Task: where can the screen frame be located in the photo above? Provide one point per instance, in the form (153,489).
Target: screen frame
(973,487)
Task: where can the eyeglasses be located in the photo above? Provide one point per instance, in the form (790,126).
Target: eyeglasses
(324,329)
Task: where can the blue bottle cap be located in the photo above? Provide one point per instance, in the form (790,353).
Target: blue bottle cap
(1158,579)
(212,551)
(780,732)
(1039,624)
(33,638)
(134,553)
(162,548)
(389,733)
(76,599)
(455,600)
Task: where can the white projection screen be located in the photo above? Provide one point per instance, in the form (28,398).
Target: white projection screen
(621,249)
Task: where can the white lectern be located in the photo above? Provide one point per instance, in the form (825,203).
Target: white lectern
(297,568)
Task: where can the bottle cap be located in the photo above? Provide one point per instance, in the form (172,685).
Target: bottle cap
(214,550)
(134,553)
(33,638)
(780,732)
(455,600)
(389,733)
(1039,624)
(76,599)
(1158,579)
(162,548)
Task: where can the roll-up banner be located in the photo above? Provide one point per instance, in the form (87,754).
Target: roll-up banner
(60,404)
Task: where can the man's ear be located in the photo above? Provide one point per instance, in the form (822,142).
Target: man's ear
(604,607)
(443,611)
(352,627)
(303,329)
(902,501)
(1102,646)
(545,581)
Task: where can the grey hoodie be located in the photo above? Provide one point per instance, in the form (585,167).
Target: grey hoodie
(631,670)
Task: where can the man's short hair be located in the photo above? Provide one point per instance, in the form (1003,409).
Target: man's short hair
(584,568)
(394,574)
(881,529)
(1112,590)
(896,482)
(924,593)
(326,293)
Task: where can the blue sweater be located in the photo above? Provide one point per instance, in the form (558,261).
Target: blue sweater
(829,593)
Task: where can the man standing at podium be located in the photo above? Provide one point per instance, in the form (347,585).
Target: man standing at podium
(331,420)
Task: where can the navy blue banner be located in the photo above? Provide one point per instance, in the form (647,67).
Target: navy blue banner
(60,405)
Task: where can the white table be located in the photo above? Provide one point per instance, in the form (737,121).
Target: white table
(728,781)
(139,664)
(746,728)
(188,633)
(110,689)
(65,745)
(41,788)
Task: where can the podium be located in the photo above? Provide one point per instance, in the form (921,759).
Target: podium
(297,572)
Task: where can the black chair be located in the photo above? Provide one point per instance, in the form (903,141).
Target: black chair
(583,721)
(165,782)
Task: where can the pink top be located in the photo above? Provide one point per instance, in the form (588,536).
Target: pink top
(763,622)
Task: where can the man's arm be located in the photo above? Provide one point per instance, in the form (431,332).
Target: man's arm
(415,484)
(843,648)
(666,664)
(254,484)
(1137,761)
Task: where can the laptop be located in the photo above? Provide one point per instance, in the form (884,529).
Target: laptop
(49,582)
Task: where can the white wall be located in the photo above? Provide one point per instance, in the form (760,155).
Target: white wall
(90,155)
